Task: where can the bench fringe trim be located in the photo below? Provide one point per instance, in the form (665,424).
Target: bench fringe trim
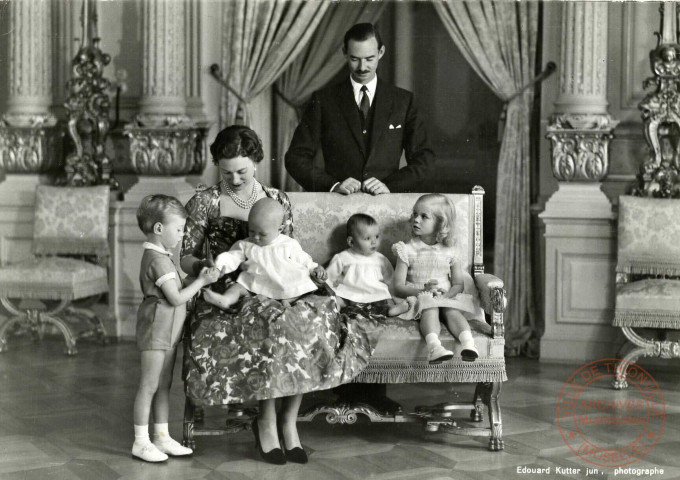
(647,320)
(650,267)
(460,371)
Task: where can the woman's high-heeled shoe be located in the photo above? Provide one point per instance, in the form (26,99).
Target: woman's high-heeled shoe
(274,456)
(295,455)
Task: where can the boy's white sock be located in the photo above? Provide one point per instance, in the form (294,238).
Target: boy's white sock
(160,430)
(432,340)
(465,338)
(142,435)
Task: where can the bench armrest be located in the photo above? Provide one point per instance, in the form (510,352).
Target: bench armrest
(493,299)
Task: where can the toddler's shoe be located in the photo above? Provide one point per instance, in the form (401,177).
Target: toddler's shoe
(439,354)
(469,353)
(148,452)
(171,447)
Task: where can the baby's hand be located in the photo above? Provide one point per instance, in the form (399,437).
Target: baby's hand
(318,274)
(431,286)
(209,275)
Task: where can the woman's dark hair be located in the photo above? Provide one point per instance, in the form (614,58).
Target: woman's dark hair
(237,141)
(360,32)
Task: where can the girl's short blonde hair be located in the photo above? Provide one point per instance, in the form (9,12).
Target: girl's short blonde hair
(445,215)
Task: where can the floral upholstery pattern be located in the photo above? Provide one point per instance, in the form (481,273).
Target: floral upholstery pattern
(649,303)
(71,220)
(52,278)
(320,221)
(647,236)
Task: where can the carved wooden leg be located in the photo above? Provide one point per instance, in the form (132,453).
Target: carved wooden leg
(4,328)
(199,414)
(65,331)
(188,428)
(90,317)
(490,393)
(478,413)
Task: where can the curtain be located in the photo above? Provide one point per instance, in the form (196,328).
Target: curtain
(315,66)
(260,40)
(498,39)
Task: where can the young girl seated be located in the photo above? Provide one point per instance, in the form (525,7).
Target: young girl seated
(272,264)
(160,319)
(427,267)
(361,274)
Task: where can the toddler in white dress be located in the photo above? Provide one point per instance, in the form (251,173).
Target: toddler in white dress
(272,264)
(361,274)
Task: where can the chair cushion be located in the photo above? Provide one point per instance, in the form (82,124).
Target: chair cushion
(401,357)
(52,278)
(71,220)
(649,303)
(646,240)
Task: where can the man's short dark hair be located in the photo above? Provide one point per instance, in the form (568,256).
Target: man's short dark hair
(362,31)
(359,219)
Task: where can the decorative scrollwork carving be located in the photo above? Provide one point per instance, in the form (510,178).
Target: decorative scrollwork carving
(88,111)
(580,156)
(165,150)
(29,150)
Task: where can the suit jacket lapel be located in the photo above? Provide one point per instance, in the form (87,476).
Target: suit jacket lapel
(381,114)
(350,111)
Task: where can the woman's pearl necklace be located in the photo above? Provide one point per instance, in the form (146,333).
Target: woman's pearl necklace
(245,204)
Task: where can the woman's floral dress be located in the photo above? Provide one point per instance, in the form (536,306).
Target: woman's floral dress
(265,350)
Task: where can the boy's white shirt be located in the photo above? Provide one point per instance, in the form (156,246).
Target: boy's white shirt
(279,270)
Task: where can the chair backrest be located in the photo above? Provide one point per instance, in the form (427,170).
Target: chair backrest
(71,220)
(320,222)
(648,234)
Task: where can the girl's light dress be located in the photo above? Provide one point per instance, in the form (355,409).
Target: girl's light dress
(433,262)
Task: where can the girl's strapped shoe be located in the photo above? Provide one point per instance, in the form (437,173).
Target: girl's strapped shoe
(171,447)
(469,353)
(439,354)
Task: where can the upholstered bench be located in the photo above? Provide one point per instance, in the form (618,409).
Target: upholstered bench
(401,354)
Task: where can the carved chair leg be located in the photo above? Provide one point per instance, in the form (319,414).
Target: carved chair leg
(477,413)
(6,325)
(97,327)
(65,331)
(645,347)
(188,428)
(490,393)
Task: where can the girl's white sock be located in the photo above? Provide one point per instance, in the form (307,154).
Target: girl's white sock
(465,338)
(432,340)
(142,435)
(160,430)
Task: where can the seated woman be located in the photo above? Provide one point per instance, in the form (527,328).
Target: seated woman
(267,349)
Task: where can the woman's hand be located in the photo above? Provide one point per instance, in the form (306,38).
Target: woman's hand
(209,275)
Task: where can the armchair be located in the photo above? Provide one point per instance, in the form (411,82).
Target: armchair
(647,279)
(68,221)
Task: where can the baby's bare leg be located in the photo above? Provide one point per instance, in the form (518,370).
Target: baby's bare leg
(228,298)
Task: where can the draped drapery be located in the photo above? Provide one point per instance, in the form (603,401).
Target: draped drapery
(315,66)
(498,39)
(260,40)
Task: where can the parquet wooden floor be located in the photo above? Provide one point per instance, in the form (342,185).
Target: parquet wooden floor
(70,418)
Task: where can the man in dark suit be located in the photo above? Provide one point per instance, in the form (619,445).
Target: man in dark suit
(361,126)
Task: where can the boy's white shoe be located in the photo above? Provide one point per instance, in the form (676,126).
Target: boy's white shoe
(148,452)
(171,447)
(439,354)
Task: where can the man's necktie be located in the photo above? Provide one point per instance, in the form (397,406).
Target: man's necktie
(365,104)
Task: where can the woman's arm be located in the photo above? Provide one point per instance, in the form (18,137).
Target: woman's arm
(400,288)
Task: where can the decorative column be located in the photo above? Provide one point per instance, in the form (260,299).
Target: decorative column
(164,141)
(579,227)
(28,140)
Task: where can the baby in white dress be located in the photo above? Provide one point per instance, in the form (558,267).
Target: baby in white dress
(272,264)
(361,274)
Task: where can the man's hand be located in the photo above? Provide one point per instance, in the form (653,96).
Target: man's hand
(374,187)
(318,275)
(348,186)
